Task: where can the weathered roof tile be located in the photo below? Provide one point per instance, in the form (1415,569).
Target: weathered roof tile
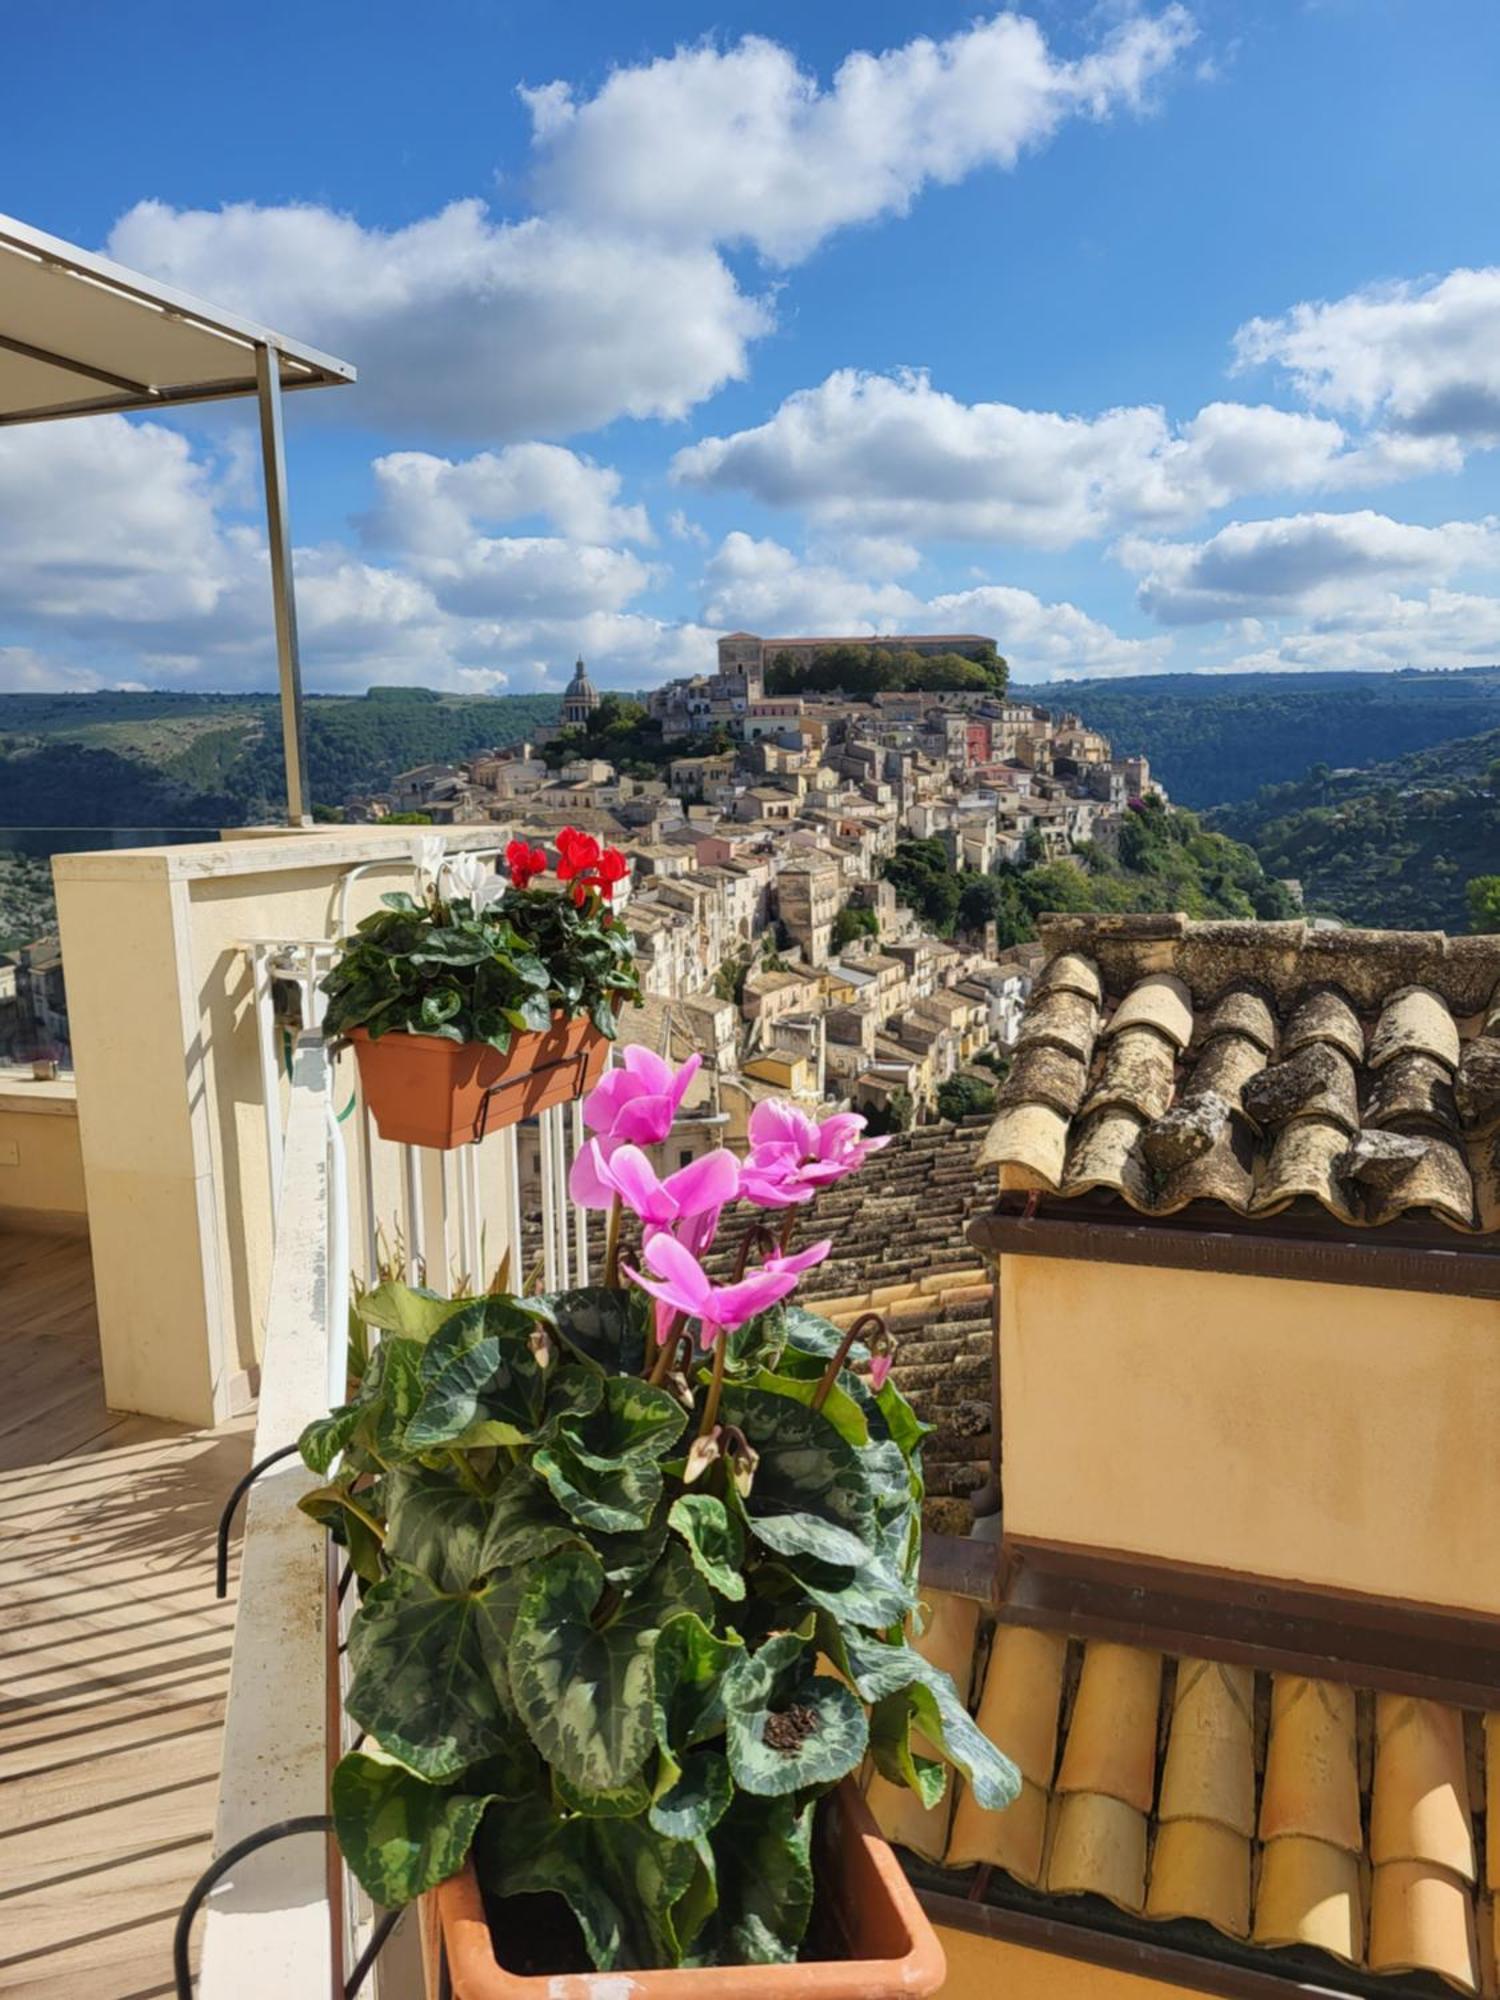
(1369,1030)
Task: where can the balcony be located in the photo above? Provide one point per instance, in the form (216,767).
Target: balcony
(230,1183)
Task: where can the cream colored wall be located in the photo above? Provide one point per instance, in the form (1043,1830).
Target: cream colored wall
(994,1969)
(1324,1434)
(41,1164)
(169,1091)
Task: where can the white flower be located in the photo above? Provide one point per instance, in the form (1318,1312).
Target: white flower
(490,890)
(427,853)
(466,875)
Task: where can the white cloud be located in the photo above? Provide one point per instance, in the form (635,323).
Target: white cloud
(462,327)
(1443,629)
(424,503)
(1301,563)
(766,588)
(890,455)
(118,548)
(761,153)
(1423,357)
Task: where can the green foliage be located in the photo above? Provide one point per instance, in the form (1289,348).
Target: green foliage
(866,670)
(855,920)
(964,1097)
(633,1717)
(1482,894)
(893,1117)
(444,968)
(1391,845)
(1215,739)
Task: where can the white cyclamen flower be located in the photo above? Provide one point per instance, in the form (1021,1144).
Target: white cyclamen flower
(427,853)
(466,876)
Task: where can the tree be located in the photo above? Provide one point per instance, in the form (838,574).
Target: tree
(896,1116)
(964,1097)
(1482,894)
(853,921)
(921,877)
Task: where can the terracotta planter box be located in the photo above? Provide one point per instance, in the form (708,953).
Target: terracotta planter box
(423,1090)
(893,1953)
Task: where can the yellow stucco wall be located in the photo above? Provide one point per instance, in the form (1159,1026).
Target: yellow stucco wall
(41,1165)
(1324,1434)
(169,1091)
(994,1969)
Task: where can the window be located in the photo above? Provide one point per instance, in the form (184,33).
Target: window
(684,1158)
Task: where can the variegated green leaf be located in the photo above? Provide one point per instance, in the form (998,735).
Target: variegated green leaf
(805,1466)
(765,1879)
(410,1310)
(400,1835)
(479,1367)
(601,1326)
(616,1499)
(631,1420)
(696,1799)
(622,1880)
(429,1670)
(808,1535)
(436,1525)
(325,1437)
(714,1541)
(781,1739)
(880,1669)
(350,1522)
(388,1397)
(893,1754)
(522,1524)
(838,1406)
(583,1692)
(625,1802)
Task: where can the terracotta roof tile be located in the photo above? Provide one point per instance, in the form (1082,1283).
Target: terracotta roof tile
(1153,1803)
(1042,1074)
(1414,1023)
(1310,1038)
(1140,1067)
(1160,1002)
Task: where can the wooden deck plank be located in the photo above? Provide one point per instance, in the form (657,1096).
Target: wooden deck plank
(114,1659)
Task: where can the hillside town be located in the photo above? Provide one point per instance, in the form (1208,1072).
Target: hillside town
(767,938)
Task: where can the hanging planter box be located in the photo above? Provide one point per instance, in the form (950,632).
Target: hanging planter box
(424,1090)
(867,1910)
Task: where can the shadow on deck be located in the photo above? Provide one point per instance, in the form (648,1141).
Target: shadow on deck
(114,1655)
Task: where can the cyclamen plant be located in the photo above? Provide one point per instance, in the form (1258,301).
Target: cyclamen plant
(481,957)
(637,1563)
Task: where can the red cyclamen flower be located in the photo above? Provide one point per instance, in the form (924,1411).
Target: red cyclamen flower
(525,861)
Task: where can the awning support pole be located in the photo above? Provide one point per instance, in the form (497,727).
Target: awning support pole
(279,538)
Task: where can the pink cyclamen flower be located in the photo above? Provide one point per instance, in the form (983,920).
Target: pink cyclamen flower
(637,1104)
(880,1368)
(700,1189)
(682,1283)
(792,1157)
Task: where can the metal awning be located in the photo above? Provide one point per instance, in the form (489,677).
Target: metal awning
(81,336)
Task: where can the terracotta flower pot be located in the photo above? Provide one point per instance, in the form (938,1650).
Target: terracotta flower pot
(423,1090)
(892,1951)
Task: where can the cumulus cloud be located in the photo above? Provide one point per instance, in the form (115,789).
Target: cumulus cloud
(1440,629)
(424,503)
(765,587)
(120,556)
(890,455)
(463,327)
(762,154)
(1422,356)
(1300,563)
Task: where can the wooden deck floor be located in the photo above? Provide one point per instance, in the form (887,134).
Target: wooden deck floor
(114,1656)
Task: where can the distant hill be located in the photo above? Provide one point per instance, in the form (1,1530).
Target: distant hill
(1390,845)
(1214,739)
(180,762)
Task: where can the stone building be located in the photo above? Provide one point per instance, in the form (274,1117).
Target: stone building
(580,699)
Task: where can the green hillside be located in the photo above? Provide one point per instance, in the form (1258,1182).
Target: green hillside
(183,762)
(1391,845)
(1215,739)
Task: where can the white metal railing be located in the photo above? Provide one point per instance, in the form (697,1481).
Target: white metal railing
(279,1918)
(348,1208)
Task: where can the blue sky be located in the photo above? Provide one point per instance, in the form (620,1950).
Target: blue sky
(1146,338)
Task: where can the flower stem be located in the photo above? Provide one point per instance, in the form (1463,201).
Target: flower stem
(716,1386)
(612,1247)
(661,1361)
(788,1224)
(830,1374)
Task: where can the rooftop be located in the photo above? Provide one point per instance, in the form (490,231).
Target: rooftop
(1239,1814)
(1262,1067)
